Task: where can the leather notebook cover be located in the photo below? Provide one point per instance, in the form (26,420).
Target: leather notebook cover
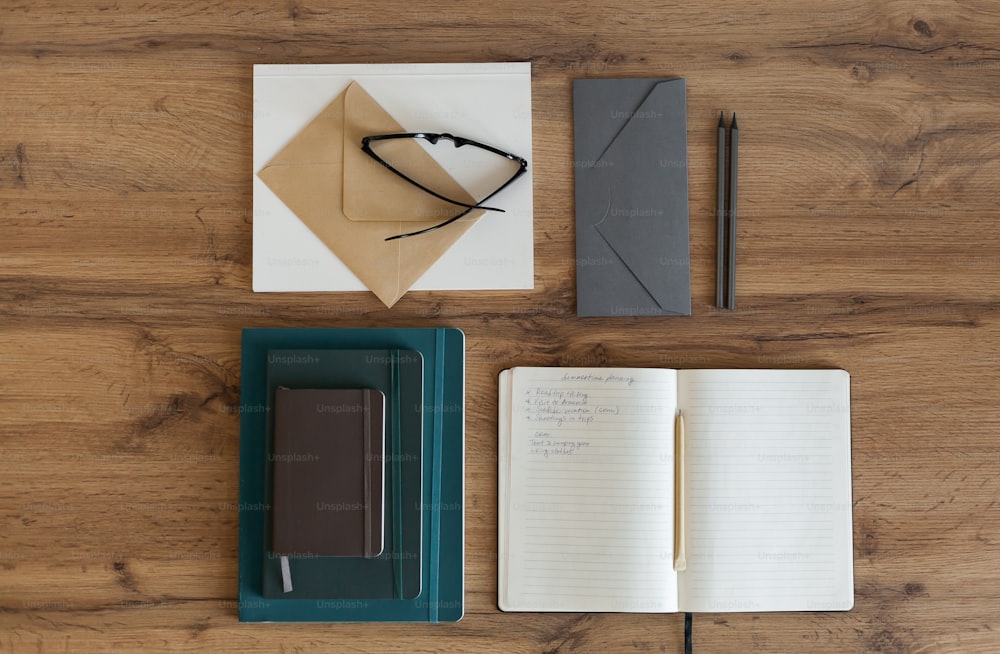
(328,472)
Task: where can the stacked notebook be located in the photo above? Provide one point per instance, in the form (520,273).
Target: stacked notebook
(328,468)
(351,475)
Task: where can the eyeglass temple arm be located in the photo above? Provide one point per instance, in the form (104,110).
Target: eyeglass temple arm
(520,171)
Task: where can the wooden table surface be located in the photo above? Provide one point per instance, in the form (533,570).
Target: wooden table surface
(870,153)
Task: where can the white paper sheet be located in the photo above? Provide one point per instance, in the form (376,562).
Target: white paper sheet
(486,102)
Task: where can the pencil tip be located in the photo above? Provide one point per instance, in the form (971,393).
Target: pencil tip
(722,119)
(733,126)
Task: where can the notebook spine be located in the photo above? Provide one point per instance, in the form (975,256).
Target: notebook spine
(437,418)
(366,416)
(397,471)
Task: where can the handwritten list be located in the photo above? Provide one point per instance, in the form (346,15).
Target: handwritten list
(587,499)
(589,489)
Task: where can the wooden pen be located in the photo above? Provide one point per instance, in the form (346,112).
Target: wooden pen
(680,558)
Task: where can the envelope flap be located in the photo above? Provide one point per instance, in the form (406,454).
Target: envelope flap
(307,176)
(646,220)
(298,174)
(372,192)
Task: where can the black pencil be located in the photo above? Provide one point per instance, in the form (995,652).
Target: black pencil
(720,214)
(734,141)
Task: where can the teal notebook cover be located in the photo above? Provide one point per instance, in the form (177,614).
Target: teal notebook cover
(441,500)
(396,572)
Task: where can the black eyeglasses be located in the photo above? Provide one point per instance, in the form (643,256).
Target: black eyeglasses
(459,142)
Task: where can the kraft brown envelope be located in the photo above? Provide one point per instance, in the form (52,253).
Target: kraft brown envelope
(352,203)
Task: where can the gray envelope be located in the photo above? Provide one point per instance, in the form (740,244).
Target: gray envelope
(632,254)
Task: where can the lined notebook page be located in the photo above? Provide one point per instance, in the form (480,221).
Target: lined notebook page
(586,490)
(769,490)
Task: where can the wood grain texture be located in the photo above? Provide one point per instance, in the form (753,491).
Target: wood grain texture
(870,150)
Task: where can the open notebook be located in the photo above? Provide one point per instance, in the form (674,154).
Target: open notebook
(587,498)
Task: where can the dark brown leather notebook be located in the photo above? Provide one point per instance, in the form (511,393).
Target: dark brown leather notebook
(328,472)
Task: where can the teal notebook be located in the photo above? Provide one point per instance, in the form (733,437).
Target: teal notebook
(395,573)
(438,594)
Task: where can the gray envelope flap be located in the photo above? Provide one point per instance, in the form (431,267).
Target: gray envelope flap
(632,205)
